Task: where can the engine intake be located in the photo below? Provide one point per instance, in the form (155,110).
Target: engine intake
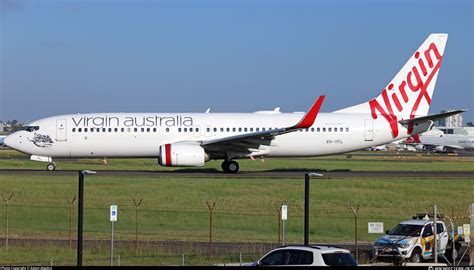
(182,154)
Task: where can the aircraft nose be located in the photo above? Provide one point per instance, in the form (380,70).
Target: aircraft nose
(3,141)
(10,141)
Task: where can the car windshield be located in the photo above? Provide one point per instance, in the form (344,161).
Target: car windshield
(406,230)
(339,259)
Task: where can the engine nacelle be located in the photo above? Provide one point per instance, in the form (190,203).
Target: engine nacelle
(182,154)
(441,148)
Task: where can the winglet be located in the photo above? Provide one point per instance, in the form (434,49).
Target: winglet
(310,116)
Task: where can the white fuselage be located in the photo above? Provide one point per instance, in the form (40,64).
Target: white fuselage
(141,134)
(453,141)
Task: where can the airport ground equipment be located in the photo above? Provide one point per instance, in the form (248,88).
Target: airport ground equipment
(413,240)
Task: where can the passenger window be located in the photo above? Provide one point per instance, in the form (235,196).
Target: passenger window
(79,130)
(341,129)
(257,129)
(275,258)
(335,129)
(135,129)
(97,129)
(228,129)
(197,129)
(185,129)
(245,129)
(263,129)
(208,129)
(179,129)
(240,129)
(300,257)
(167,129)
(233,129)
(439,228)
(154,129)
(85,129)
(122,129)
(324,129)
(74,130)
(347,129)
(307,129)
(190,129)
(104,129)
(427,231)
(222,129)
(318,130)
(215,129)
(312,129)
(115,129)
(147,129)
(129,129)
(251,129)
(92,129)
(329,129)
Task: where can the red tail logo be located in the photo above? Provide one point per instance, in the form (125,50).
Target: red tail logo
(399,97)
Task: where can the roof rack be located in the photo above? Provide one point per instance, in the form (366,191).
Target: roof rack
(427,216)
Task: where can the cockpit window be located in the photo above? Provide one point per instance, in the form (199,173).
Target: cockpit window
(30,128)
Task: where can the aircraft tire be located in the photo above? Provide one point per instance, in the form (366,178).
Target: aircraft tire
(51,167)
(225,166)
(233,167)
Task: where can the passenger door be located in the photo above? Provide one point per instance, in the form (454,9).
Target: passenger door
(369,130)
(442,236)
(61,130)
(427,241)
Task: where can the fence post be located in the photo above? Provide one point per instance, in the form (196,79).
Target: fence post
(7,198)
(278,210)
(71,203)
(136,223)
(210,205)
(356,211)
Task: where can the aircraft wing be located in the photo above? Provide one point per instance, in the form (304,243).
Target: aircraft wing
(248,144)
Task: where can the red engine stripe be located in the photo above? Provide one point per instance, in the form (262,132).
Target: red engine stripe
(168,154)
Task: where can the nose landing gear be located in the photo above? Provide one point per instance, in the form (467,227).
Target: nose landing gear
(230,166)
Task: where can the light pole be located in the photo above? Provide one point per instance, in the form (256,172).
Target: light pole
(306,205)
(80,208)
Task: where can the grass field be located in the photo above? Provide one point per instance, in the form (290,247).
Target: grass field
(356,162)
(174,208)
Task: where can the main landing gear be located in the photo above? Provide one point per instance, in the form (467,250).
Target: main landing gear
(230,166)
(51,166)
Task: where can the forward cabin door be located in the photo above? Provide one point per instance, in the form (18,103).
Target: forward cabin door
(369,130)
(61,130)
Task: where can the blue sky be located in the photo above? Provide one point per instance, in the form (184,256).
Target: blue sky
(61,57)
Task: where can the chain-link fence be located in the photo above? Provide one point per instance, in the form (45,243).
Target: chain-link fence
(171,222)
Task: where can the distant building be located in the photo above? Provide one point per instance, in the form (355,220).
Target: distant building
(2,127)
(452,121)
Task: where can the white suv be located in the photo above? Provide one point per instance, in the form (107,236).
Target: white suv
(308,256)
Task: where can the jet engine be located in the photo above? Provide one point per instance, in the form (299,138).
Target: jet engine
(182,154)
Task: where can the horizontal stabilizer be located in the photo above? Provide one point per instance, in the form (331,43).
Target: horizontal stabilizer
(434,117)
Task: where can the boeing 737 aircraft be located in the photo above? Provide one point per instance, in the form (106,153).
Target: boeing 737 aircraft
(191,139)
(438,140)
